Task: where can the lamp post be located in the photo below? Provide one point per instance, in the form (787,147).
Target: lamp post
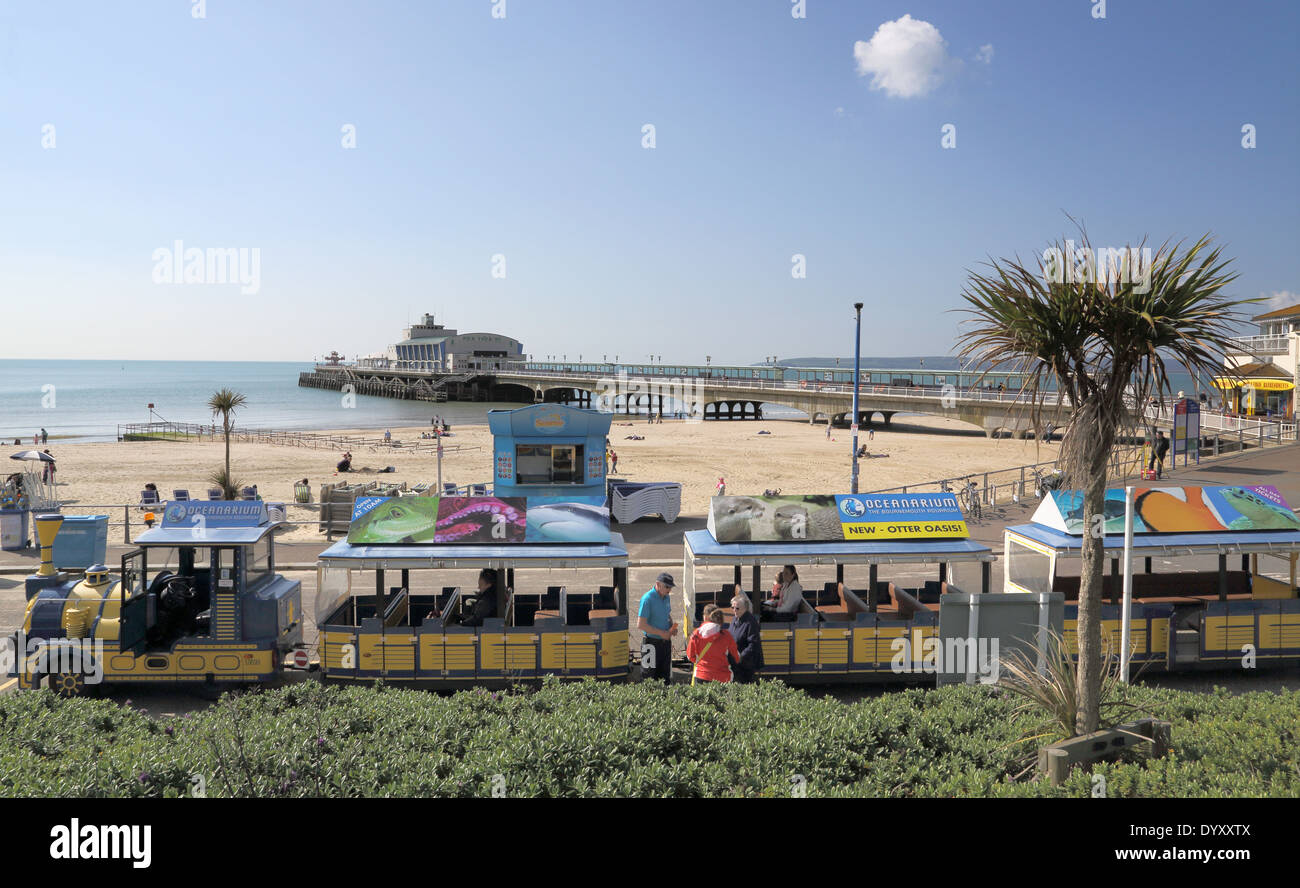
(857,361)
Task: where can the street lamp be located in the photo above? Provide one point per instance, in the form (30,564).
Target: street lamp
(857,361)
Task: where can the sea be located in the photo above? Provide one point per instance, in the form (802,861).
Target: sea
(81,401)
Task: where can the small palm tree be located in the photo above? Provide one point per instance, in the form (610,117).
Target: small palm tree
(1104,346)
(224,403)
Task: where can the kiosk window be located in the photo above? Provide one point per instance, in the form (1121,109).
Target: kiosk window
(549,463)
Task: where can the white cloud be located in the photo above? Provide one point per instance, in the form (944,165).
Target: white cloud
(985,54)
(839,112)
(906,58)
(1277,299)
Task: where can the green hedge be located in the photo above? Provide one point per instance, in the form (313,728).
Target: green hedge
(590,739)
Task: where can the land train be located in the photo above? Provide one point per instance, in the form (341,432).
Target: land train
(223,615)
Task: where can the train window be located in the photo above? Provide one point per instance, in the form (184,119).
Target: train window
(258,563)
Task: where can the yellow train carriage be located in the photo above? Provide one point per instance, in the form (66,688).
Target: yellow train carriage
(412,633)
(879,632)
(1213,612)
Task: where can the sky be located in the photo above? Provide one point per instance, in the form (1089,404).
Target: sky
(490,162)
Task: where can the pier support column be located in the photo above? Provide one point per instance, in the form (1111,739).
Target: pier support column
(887,415)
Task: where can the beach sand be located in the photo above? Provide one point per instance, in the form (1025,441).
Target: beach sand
(796,457)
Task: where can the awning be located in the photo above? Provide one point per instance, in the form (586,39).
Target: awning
(1147,544)
(1256,383)
(704,549)
(553,555)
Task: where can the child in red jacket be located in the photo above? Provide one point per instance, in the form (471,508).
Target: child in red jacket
(709,646)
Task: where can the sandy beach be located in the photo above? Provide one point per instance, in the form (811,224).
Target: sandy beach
(795,457)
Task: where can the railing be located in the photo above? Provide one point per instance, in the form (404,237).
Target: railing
(307,514)
(1270,428)
(188,431)
(917,392)
(1261,345)
(1018,482)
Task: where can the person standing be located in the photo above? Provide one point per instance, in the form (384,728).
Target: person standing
(388,436)
(654,619)
(828,430)
(749,645)
(1158,454)
(48,474)
(711,648)
(720,489)
(613,459)
(45,437)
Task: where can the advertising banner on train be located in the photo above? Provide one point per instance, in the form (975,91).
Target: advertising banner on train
(1175,510)
(378,520)
(915,516)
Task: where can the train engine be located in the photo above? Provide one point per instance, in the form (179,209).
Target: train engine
(198,603)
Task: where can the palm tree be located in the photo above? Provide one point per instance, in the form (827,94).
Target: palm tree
(1105,347)
(224,403)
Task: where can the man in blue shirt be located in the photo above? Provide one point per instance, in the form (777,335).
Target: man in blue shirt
(654,619)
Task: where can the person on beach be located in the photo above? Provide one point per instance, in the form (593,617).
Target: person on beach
(871,434)
(712,648)
(345,464)
(654,619)
(45,437)
(388,436)
(745,630)
(613,458)
(48,474)
(828,430)
(1158,454)
(720,489)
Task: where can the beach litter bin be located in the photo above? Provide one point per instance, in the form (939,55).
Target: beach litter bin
(15,529)
(82,540)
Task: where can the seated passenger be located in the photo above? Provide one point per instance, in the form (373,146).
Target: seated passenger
(485,606)
(712,648)
(787,596)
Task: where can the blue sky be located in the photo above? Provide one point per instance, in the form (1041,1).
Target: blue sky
(478,136)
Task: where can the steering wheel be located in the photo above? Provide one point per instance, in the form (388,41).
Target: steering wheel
(178,594)
(161,580)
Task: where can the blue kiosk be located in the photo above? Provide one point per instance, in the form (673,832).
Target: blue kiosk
(549,450)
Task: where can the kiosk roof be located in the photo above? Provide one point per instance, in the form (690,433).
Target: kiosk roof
(705,549)
(207,536)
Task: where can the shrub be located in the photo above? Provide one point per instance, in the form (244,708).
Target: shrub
(594,739)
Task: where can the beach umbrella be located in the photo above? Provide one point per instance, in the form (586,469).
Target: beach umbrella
(32,454)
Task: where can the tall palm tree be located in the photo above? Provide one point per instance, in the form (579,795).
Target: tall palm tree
(224,403)
(1105,346)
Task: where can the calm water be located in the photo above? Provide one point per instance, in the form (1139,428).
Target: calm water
(87,400)
(90,398)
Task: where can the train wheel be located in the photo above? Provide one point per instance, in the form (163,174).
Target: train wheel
(68,684)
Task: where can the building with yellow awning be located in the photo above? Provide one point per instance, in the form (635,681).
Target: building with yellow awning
(1261,372)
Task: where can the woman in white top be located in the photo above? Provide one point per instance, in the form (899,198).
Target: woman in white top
(787,594)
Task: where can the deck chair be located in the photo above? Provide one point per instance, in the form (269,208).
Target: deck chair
(149,498)
(248,493)
(479,490)
(215,493)
(180,496)
(449,489)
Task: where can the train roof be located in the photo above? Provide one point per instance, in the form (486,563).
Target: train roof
(704,549)
(1221,543)
(210,523)
(406,556)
